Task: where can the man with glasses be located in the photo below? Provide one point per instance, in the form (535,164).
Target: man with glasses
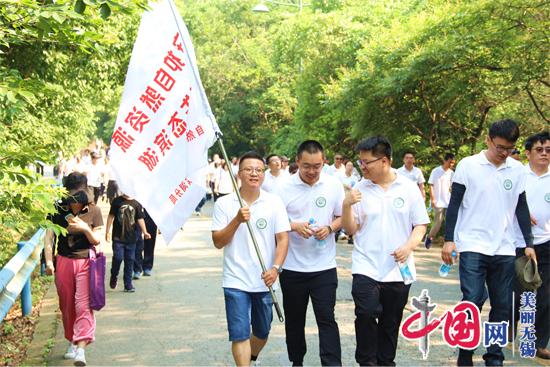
(412,173)
(386,214)
(338,168)
(247,299)
(537,150)
(274,175)
(313,201)
(488,190)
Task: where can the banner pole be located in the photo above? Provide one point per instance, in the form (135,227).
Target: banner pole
(248,225)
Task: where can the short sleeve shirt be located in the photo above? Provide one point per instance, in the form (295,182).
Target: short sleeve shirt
(94,174)
(537,190)
(320,202)
(241,267)
(117,226)
(333,171)
(271,182)
(441,181)
(486,215)
(386,220)
(415,175)
(76,246)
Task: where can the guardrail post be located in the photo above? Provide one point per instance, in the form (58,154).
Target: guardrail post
(26,297)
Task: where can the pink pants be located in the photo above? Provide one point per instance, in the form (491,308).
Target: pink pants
(72,280)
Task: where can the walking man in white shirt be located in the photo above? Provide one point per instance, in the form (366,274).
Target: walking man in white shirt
(388,217)
(537,190)
(313,201)
(274,175)
(440,194)
(284,164)
(412,173)
(247,299)
(488,191)
(338,168)
(95,173)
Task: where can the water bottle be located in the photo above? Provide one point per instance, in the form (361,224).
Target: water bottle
(320,244)
(430,208)
(405,272)
(445,268)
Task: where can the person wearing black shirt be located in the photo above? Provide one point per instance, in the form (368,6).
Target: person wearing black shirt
(124,217)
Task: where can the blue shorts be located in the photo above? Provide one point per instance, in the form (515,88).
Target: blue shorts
(248,308)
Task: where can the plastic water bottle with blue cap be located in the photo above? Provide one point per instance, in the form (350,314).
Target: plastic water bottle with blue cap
(405,272)
(445,268)
(318,243)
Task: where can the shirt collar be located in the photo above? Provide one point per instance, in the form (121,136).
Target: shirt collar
(531,172)
(482,159)
(297,180)
(399,180)
(260,198)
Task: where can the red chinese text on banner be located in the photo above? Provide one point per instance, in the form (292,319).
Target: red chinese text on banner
(164,125)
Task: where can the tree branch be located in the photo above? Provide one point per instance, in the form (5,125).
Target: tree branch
(535,103)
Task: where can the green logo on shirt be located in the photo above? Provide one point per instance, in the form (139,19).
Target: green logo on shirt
(508,184)
(547,197)
(398,203)
(321,202)
(261,223)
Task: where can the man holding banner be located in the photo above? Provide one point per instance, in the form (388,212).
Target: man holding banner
(247,298)
(161,138)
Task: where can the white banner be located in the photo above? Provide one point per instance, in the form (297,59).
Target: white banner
(164,125)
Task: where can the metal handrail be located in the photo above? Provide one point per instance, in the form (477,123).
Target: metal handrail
(15,277)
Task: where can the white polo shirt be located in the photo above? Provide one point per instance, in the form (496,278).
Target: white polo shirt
(441,181)
(271,182)
(537,189)
(385,220)
(333,171)
(241,267)
(322,202)
(415,175)
(486,215)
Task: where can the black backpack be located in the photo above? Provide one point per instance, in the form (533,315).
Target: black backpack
(126,217)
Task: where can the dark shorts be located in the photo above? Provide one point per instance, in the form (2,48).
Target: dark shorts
(244,309)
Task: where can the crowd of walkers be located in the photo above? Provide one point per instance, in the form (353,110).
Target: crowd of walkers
(495,210)
(129,227)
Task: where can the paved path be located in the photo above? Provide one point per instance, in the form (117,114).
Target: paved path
(177,316)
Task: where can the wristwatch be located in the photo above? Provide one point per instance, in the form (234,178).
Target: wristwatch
(278,267)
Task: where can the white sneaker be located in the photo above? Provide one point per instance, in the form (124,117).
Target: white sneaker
(80,359)
(71,352)
(256,363)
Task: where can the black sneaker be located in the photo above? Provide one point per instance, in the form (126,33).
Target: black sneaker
(130,290)
(112,282)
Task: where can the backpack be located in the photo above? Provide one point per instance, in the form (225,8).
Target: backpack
(126,217)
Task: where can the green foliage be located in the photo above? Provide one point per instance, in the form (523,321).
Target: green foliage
(446,71)
(61,63)
(430,75)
